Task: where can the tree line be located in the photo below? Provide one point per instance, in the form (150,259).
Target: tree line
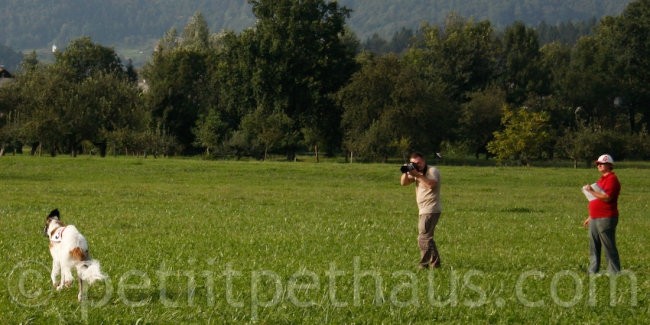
(296,81)
(565,33)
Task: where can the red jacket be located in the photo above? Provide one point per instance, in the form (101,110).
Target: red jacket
(601,209)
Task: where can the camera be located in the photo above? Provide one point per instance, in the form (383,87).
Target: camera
(407,167)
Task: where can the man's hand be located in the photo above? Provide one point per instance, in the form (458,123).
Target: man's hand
(415,173)
(406,179)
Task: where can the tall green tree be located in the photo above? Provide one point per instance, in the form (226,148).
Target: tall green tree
(462,54)
(389,110)
(234,75)
(301,58)
(179,92)
(555,59)
(631,43)
(182,83)
(522,69)
(196,34)
(589,82)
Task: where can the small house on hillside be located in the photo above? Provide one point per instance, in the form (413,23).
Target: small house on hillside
(4,73)
(5,76)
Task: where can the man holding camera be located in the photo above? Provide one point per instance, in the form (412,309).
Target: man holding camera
(427,195)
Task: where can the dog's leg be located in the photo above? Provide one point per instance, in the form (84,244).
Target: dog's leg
(66,276)
(81,289)
(56,270)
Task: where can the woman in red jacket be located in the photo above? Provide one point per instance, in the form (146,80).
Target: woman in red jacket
(603,216)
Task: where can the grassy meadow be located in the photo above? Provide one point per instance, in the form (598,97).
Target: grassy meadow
(194,241)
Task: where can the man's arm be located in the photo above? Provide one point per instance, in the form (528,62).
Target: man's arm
(599,195)
(406,179)
(425,181)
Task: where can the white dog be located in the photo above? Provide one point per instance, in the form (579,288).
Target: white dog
(70,249)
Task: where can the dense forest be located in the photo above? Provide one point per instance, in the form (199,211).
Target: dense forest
(298,82)
(38,24)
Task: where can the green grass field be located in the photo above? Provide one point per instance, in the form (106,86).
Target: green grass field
(193,241)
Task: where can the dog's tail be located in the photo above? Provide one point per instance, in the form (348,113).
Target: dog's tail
(89,271)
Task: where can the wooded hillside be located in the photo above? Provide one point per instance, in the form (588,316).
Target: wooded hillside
(37,24)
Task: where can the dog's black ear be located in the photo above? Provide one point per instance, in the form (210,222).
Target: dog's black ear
(54,214)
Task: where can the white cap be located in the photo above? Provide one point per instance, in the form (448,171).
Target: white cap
(605,159)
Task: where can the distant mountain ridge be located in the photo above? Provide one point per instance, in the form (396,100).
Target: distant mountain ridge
(384,17)
(37,24)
